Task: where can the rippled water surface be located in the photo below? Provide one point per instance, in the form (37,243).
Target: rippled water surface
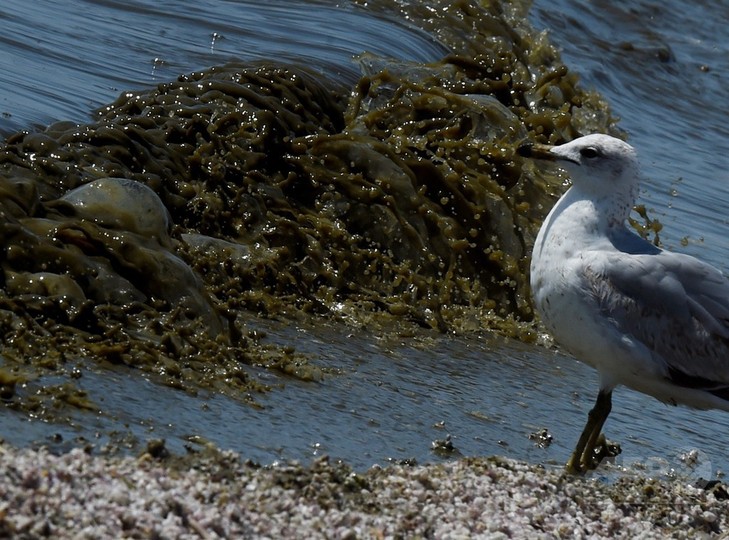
(60,60)
(662,66)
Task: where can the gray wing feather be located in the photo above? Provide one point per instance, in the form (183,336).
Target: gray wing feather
(674,304)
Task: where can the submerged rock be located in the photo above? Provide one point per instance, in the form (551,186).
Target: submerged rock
(121,204)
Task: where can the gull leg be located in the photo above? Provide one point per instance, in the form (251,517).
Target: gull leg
(581,458)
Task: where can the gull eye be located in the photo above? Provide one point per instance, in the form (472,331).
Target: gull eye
(590,152)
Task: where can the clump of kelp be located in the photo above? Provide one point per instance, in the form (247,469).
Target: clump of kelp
(274,189)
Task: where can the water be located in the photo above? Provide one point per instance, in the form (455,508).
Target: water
(60,60)
(391,398)
(663,68)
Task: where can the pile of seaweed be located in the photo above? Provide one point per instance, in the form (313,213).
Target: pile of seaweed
(283,190)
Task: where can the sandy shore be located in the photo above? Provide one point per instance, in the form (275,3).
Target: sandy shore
(216,495)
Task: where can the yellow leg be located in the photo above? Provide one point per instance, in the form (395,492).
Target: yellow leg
(584,454)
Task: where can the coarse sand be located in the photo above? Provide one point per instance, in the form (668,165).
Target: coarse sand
(215,494)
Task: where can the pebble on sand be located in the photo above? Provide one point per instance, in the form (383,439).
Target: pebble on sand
(215,494)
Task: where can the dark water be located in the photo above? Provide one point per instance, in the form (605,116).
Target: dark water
(662,70)
(62,60)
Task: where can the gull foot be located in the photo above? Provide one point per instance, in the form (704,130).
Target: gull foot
(592,456)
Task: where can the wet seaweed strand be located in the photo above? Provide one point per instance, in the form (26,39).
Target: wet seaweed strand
(402,196)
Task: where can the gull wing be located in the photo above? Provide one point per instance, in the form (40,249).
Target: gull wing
(674,304)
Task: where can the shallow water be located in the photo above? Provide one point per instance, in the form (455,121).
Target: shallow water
(391,399)
(390,396)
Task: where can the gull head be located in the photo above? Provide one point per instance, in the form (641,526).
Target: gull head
(598,163)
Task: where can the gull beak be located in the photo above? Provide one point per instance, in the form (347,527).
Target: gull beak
(536,151)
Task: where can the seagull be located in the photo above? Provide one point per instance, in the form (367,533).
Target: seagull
(649,319)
